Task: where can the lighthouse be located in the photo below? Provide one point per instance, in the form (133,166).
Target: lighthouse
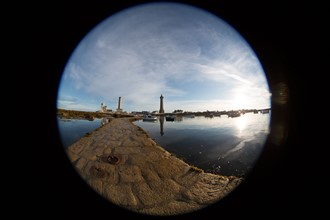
(119,109)
(161,109)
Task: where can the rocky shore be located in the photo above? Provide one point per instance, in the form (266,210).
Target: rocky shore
(73,114)
(123,164)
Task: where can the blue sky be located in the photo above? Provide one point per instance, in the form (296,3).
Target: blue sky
(195,59)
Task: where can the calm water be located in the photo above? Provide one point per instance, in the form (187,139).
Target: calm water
(229,146)
(71,130)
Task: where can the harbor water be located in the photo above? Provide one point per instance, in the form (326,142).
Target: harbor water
(224,145)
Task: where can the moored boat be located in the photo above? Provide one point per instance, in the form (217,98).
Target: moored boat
(149,118)
(234,114)
(170,117)
(265,111)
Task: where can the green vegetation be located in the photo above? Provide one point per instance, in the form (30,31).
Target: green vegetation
(196,169)
(192,167)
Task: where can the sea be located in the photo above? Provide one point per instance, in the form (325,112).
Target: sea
(220,144)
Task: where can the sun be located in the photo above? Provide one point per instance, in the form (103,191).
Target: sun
(241,101)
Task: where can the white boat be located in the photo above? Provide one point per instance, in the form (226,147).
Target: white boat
(149,118)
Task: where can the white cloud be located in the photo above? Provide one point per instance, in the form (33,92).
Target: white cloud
(198,105)
(69,102)
(140,56)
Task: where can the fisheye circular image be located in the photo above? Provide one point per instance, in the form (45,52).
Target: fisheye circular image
(163,109)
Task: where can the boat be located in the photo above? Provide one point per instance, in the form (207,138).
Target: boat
(233,114)
(170,117)
(209,115)
(149,118)
(265,111)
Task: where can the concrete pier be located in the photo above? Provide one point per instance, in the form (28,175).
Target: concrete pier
(123,164)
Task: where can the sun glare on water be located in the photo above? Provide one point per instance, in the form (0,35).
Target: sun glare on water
(241,123)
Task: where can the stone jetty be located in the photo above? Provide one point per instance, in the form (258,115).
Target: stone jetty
(123,164)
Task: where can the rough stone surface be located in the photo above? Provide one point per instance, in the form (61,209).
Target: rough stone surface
(123,164)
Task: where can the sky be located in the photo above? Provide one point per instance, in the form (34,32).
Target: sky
(196,60)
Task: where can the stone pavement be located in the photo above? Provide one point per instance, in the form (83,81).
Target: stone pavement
(123,164)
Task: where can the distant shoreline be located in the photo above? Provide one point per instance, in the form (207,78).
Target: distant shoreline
(75,114)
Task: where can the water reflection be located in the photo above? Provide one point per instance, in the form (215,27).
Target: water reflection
(104,121)
(179,118)
(241,124)
(71,130)
(226,145)
(161,122)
